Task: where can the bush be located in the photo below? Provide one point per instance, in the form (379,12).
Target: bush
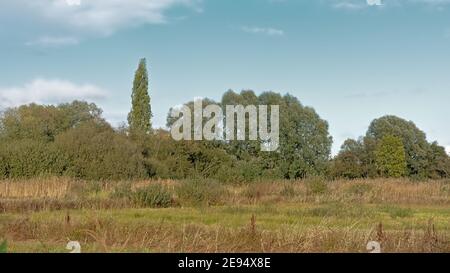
(30,158)
(96,152)
(316,185)
(249,170)
(200,192)
(154,196)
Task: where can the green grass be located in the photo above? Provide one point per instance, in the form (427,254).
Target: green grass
(304,216)
(3,246)
(295,218)
(238,215)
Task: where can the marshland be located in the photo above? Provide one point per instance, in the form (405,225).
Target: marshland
(195,215)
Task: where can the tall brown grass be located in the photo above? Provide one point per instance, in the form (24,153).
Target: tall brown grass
(325,203)
(62,193)
(107,235)
(35,188)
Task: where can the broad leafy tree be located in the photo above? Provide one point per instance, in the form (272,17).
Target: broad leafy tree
(414,140)
(44,122)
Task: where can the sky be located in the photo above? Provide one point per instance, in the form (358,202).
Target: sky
(352,60)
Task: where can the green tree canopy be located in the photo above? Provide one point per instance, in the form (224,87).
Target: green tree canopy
(350,162)
(390,157)
(44,122)
(414,140)
(305,143)
(423,159)
(95,151)
(439,162)
(139,118)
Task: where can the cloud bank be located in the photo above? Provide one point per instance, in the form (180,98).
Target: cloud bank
(45,91)
(362,4)
(98,16)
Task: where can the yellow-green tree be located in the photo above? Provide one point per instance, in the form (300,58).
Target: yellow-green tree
(391,157)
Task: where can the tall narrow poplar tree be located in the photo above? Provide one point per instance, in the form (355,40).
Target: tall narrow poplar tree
(139,119)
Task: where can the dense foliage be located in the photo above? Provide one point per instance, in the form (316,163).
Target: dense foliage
(392,147)
(304,145)
(140,115)
(390,157)
(73,139)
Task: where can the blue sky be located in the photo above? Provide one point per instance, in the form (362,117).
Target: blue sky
(351,61)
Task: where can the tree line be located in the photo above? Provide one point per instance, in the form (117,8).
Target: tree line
(73,139)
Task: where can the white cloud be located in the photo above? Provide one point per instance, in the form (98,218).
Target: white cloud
(349,5)
(362,4)
(73,2)
(49,41)
(359,4)
(266,31)
(98,16)
(44,91)
(448,149)
(374,2)
(432,2)
(356,4)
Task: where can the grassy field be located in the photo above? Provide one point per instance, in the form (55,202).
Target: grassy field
(313,215)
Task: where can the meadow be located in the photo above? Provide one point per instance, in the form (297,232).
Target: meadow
(310,215)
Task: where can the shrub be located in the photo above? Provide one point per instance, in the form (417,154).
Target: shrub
(96,152)
(249,171)
(200,192)
(30,158)
(154,196)
(156,168)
